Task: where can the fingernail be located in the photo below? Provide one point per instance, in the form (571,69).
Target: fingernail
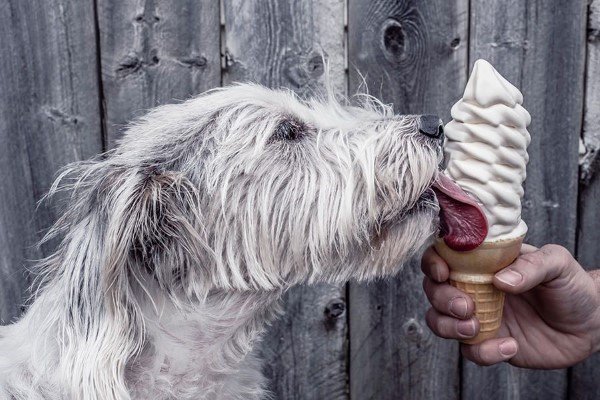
(510,277)
(458,307)
(508,348)
(466,328)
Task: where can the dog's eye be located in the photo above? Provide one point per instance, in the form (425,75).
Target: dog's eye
(290,130)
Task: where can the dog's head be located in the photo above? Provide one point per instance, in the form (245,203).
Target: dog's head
(277,190)
(246,188)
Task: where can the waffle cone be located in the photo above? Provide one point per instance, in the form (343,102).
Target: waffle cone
(473,271)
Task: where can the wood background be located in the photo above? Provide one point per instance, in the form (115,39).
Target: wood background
(73,73)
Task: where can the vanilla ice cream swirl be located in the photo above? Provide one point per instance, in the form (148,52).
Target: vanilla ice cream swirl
(487,143)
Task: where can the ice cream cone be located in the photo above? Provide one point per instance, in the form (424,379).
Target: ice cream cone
(473,271)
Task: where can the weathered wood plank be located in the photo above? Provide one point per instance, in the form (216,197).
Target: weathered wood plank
(584,382)
(49,116)
(414,55)
(155,52)
(278,44)
(540,47)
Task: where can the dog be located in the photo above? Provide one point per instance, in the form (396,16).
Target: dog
(176,246)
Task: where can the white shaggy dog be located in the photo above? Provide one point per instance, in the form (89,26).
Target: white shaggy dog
(177,245)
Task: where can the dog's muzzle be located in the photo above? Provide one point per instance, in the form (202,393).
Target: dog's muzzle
(431,126)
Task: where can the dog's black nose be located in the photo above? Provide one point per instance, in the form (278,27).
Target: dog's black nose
(432,126)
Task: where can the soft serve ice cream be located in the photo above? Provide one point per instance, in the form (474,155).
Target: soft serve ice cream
(480,192)
(487,143)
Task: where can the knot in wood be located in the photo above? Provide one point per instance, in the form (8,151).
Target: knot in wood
(128,65)
(413,330)
(153,57)
(335,308)
(455,43)
(150,20)
(195,61)
(403,41)
(315,66)
(393,37)
(302,69)
(133,62)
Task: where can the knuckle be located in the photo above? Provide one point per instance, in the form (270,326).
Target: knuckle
(426,269)
(431,265)
(428,289)
(558,253)
(444,330)
(478,354)
(442,299)
(483,358)
(434,291)
(426,261)
(532,259)
(437,324)
(469,352)
(437,296)
(551,248)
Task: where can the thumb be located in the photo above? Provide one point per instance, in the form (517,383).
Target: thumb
(534,267)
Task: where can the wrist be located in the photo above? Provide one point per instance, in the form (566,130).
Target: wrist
(595,275)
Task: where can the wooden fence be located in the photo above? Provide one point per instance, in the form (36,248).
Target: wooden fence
(72,73)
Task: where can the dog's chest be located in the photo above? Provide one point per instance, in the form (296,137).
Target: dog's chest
(195,379)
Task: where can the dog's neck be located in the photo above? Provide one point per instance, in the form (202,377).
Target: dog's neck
(200,352)
(206,348)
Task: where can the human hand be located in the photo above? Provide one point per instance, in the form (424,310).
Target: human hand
(551,311)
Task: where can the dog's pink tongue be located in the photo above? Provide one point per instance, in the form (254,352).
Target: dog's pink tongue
(463,223)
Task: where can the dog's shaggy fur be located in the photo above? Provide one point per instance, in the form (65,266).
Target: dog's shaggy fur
(177,245)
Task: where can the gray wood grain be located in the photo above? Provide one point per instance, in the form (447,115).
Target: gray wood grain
(540,47)
(155,52)
(279,44)
(584,382)
(49,116)
(413,54)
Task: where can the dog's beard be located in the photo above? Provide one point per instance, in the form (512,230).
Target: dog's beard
(426,206)
(391,245)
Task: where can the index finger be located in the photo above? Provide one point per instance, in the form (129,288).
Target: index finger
(527,248)
(434,266)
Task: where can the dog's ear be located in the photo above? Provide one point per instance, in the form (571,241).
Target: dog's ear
(121,225)
(170,242)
